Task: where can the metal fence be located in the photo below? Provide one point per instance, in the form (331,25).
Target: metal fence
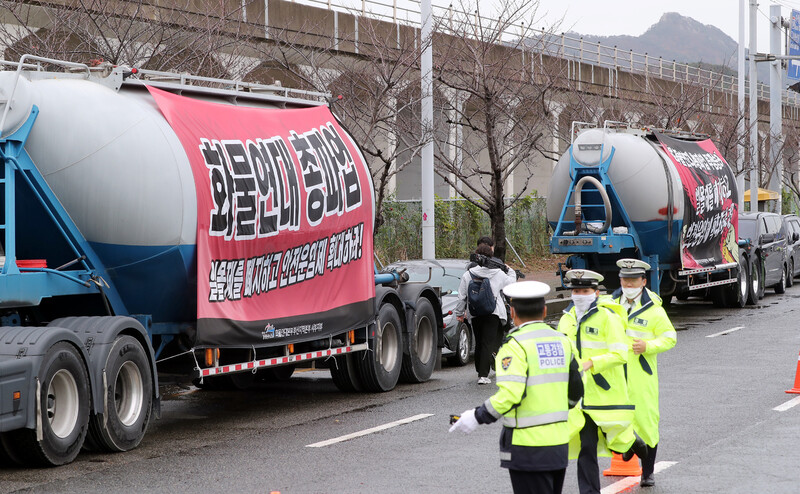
(562,45)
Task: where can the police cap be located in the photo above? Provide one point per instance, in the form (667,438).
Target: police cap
(632,268)
(582,278)
(526,290)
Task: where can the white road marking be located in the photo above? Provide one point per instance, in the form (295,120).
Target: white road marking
(628,482)
(369,431)
(721,333)
(789,404)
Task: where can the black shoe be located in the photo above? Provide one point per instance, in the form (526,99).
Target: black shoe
(648,481)
(638,448)
(626,456)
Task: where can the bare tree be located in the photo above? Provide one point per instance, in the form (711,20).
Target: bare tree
(496,96)
(197,36)
(375,88)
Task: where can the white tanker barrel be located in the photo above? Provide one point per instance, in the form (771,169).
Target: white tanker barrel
(122,175)
(645,180)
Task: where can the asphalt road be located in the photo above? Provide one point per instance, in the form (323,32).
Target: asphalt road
(720,432)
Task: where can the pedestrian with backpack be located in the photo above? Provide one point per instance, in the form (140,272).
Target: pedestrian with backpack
(480,300)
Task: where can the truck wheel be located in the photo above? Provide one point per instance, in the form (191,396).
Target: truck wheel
(380,368)
(128,398)
(463,344)
(780,287)
(419,362)
(753,294)
(345,373)
(736,293)
(64,412)
(5,458)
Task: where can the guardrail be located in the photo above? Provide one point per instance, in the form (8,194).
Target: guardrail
(564,45)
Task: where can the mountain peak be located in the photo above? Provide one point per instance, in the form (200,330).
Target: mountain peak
(680,38)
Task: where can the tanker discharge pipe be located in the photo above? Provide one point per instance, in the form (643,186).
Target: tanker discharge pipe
(579,213)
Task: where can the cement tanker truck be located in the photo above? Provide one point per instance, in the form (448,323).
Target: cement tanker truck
(668,198)
(162,224)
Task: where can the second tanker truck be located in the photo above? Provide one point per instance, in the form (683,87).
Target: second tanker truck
(668,198)
(221,228)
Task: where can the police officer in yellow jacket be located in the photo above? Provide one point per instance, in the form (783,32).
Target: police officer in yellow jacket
(649,332)
(539,381)
(604,419)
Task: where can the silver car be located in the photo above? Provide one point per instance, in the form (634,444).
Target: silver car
(445,274)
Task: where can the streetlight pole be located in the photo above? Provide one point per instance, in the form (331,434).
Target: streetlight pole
(753,109)
(428,225)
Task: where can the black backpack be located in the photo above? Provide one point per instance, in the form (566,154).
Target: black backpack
(480,297)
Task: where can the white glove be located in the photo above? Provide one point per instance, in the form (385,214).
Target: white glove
(467,423)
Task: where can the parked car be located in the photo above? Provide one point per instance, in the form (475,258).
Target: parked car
(792,224)
(459,342)
(768,240)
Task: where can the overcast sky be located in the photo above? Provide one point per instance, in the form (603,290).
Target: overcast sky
(603,17)
(607,17)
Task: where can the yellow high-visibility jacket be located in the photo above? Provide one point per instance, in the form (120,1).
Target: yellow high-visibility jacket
(538,380)
(600,336)
(649,322)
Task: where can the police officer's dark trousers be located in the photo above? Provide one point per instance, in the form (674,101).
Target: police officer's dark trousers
(550,482)
(649,463)
(488,334)
(588,469)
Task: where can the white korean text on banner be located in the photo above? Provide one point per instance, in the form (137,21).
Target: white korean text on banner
(709,235)
(285,219)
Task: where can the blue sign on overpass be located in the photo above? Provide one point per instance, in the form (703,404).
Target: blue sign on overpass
(794,46)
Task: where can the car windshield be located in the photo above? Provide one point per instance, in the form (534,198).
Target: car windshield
(448,278)
(747,229)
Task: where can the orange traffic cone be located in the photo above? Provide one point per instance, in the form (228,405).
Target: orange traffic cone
(621,468)
(796,388)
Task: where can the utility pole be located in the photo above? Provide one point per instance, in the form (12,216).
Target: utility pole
(740,148)
(753,109)
(775,99)
(428,225)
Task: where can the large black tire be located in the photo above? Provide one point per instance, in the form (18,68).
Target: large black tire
(379,370)
(5,459)
(128,398)
(345,373)
(420,359)
(790,273)
(64,412)
(463,346)
(736,293)
(754,290)
(780,287)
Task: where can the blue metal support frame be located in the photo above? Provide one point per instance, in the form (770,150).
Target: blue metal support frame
(588,242)
(28,286)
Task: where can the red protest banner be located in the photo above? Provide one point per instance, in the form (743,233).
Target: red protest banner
(711,215)
(285,222)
